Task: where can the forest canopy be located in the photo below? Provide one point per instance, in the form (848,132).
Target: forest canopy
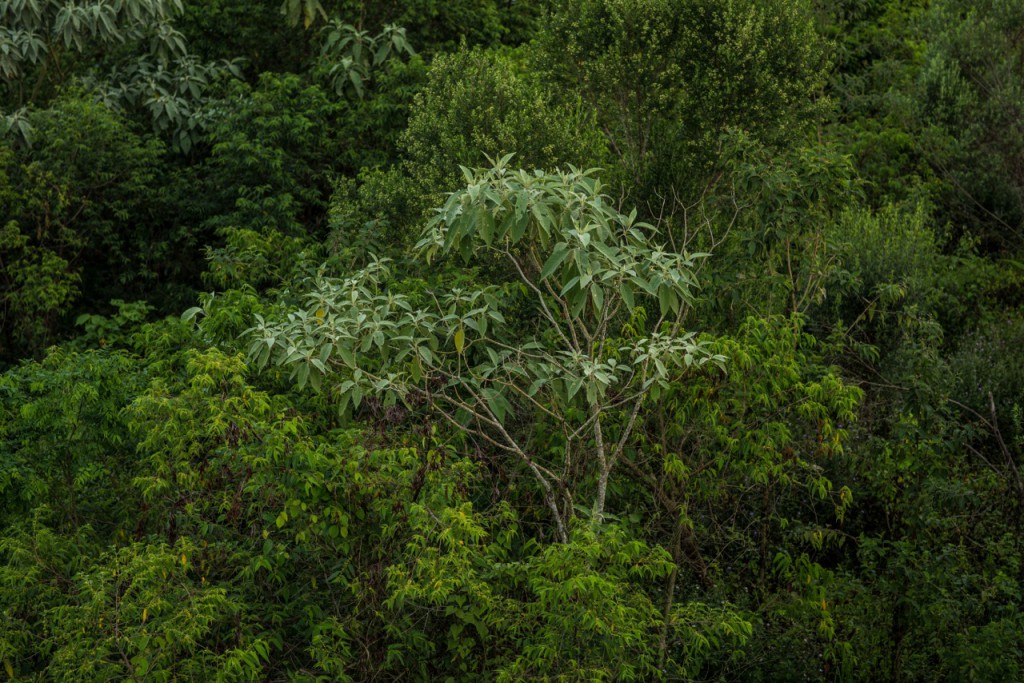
(562,340)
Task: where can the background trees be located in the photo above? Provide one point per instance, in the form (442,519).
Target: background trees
(584,340)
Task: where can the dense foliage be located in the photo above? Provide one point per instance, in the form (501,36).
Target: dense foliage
(577,340)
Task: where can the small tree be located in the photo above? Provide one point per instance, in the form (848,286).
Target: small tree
(588,269)
(349,56)
(41,37)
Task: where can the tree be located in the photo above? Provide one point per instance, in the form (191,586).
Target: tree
(40,39)
(667,77)
(83,197)
(452,125)
(349,56)
(46,44)
(971,111)
(588,271)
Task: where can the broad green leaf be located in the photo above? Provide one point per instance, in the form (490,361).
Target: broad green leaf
(497,403)
(558,255)
(627,296)
(597,294)
(346,356)
(191,313)
(460,339)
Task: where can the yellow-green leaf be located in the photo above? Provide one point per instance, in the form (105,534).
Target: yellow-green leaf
(460,339)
